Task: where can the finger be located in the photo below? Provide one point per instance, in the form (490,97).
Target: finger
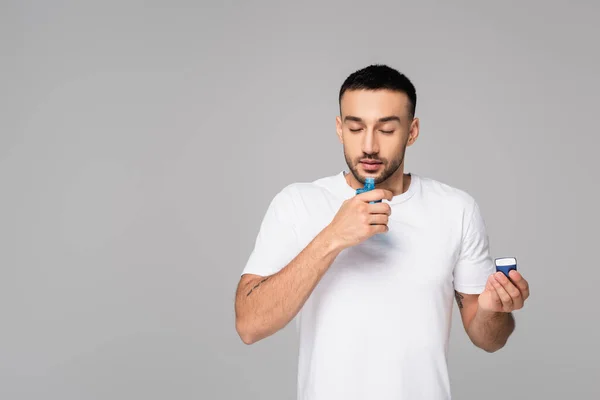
(520,283)
(378,219)
(507,303)
(376,229)
(494,294)
(375,194)
(379,208)
(511,289)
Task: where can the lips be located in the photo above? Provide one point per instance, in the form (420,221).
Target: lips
(370,162)
(370,165)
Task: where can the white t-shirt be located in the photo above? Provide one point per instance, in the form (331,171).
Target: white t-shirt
(377,325)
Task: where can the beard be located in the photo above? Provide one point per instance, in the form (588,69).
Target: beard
(389,167)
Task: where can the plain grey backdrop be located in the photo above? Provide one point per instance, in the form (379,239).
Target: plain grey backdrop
(141,142)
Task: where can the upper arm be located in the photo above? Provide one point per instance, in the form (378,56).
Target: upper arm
(467,305)
(246,281)
(276,243)
(474,265)
(245,285)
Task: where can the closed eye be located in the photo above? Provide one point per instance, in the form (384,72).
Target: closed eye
(387,132)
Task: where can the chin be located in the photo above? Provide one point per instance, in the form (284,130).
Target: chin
(362,176)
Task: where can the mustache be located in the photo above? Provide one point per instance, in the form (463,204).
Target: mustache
(371,159)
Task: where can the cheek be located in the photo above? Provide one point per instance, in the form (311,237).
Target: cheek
(352,152)
(352,141)
(392,147)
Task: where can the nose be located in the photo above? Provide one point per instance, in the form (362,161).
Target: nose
(370,144)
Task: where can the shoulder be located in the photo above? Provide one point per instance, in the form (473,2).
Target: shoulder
(319,187)
(445,191)
(303,201)
(446,195)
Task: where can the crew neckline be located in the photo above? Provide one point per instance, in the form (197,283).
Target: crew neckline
(348,191)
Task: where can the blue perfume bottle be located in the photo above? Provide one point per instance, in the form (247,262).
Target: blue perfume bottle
(369,185)
(506,264)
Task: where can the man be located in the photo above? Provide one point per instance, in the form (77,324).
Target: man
(371,285)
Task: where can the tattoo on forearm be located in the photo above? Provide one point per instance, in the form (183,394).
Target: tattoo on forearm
(459,297)
(257,285)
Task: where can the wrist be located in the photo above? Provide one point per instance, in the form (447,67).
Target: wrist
(490,314)
(330,241)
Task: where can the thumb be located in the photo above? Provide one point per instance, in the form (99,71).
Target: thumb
(376,194)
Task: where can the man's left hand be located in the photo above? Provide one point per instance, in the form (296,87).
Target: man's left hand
(502,294)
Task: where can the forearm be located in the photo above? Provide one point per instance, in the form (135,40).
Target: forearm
(265,306)
(491,330)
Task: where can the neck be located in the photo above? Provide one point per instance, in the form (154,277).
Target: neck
(398,183)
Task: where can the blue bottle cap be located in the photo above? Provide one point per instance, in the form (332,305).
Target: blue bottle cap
(369,184)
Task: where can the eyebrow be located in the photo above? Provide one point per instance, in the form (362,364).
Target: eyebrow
(384,119)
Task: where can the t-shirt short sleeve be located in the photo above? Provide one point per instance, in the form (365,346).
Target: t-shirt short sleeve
(276,243)
(475,263)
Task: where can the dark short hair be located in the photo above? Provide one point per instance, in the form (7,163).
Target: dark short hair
(378,77)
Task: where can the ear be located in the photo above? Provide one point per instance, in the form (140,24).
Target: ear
(413,132)
(338,128)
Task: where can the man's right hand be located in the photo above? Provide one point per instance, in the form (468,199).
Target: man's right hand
(357,220)
(265,304)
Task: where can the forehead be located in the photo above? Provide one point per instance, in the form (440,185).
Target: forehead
(374,104)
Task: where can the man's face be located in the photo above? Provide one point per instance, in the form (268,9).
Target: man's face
(375,128)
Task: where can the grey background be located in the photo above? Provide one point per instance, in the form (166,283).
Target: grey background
(141,142)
